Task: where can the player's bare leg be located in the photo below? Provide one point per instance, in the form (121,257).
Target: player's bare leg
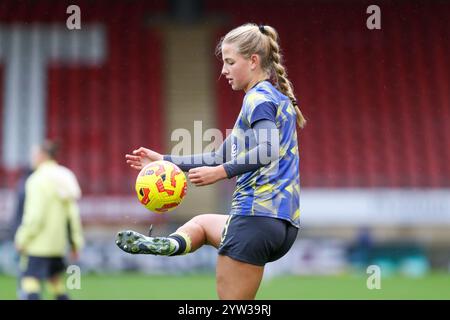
(200,230)
(237,280)
(204,229)
(57,288)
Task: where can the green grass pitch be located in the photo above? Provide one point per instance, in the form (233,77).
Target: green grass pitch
(142,286)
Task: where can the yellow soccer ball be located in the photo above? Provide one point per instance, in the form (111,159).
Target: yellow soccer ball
(161,186)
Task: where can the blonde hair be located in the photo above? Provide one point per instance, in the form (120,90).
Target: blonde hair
(263,41)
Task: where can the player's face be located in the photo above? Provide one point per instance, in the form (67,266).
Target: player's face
(236,68)
(36,156)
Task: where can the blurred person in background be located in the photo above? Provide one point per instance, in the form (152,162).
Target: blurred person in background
(264,218)
(50,223)
(20,201)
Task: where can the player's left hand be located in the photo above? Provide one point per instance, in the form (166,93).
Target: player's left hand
(203,176)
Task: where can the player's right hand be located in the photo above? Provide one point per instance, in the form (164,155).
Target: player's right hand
(141,157)
(74,255)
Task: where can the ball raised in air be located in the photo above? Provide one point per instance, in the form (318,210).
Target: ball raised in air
(161,186)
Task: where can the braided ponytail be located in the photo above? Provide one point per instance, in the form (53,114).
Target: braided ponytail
(280,74)
(263,40)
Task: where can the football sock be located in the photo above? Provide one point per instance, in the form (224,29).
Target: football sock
(31,287)
(183,241)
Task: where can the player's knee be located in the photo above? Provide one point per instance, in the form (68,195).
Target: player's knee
(224,279)
(229,290)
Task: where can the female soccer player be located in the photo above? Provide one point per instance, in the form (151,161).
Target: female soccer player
(262,151)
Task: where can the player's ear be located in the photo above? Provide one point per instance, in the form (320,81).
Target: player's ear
(254,61)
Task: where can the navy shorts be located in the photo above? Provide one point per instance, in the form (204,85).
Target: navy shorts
(43,267)
(256,240)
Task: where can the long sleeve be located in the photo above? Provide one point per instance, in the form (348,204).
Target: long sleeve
(266,150)
(75,227)
(215,158)
(34,213)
